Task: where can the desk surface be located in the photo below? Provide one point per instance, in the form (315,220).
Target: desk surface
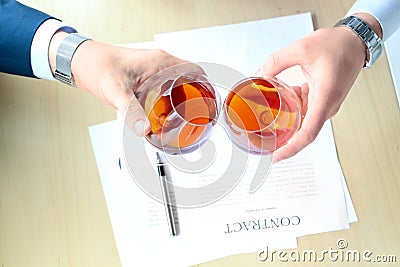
(52,208)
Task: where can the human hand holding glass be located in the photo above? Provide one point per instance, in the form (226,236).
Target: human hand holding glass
(113,73)
(259,114)
(330,60)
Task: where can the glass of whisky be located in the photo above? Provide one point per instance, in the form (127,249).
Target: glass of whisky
(261,114)
(182,107)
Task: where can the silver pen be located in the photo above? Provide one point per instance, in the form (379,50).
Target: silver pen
(166,196)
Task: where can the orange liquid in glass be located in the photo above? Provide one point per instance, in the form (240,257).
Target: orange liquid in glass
(261,111)
(181,118)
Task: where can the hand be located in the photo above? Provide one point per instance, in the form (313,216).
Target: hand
(114,73)
(330,59)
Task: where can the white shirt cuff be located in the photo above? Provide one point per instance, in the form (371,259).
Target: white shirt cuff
(387,12)
(40,47)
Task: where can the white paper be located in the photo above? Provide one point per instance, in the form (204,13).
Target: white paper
(139,222)
(310,185)
(244,47)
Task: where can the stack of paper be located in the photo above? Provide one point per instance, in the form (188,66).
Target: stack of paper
(303,195)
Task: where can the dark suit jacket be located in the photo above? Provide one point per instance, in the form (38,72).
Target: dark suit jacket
(18,24)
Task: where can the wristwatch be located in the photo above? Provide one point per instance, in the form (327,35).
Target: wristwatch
(64,56)
(367,35)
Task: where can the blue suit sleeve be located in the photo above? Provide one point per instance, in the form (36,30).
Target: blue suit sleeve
(18,24)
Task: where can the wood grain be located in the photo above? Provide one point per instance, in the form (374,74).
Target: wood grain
(52,208)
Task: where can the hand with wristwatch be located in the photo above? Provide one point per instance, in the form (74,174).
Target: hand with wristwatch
(109,72)
(330,59)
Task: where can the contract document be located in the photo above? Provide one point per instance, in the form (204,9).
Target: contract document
(303,195)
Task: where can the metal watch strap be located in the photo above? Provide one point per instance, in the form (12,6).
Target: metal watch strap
(64,56)
(367,35)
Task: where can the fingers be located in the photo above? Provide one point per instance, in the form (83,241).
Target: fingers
(311,126)
(123,99)
(305,136)
(136,118)
(302,92)
(282,59)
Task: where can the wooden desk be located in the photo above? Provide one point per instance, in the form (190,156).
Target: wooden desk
(52,208)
